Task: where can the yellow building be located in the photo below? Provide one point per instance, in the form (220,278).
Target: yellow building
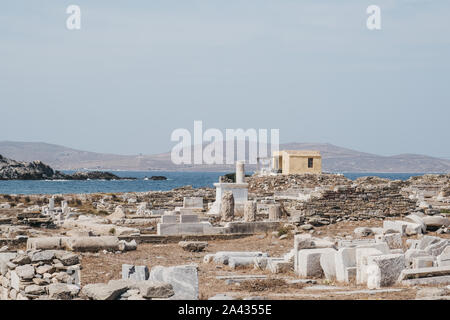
(297,161)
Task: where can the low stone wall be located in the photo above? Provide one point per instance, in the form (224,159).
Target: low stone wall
(330,197)
(381,201)
(253,227)
(34,274)
(268,185)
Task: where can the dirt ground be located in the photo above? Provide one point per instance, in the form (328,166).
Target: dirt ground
(101,267)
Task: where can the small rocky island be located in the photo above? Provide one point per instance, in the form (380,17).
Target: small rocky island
(156,178)
(37,170)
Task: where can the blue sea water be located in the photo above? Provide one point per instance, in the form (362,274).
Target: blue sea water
(175,179)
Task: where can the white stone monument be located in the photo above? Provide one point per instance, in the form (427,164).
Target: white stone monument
(239,190)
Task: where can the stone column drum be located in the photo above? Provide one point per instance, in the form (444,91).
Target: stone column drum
(274,212)
(240,172)
(227,206)
(250,211)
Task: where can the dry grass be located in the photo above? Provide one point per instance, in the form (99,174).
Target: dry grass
(271,284)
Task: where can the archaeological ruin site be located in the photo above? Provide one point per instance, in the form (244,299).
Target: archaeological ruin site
(265,236)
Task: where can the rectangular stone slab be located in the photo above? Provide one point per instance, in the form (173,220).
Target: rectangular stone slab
(169,219)
(193,202)
(188,218)
(424,273)
(308,262)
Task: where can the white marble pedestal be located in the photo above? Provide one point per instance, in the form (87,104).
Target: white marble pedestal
(240,194)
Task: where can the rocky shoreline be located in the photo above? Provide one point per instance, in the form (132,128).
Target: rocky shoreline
(37,170)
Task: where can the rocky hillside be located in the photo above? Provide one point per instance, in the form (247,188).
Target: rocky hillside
(37,170)
(15,170)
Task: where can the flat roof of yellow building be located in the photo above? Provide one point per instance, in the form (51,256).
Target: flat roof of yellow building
(299,153)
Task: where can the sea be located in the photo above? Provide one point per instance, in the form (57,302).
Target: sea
(174,180)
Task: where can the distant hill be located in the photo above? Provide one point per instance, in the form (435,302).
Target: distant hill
(335,159)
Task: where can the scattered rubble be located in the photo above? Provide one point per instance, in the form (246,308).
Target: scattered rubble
(193,246)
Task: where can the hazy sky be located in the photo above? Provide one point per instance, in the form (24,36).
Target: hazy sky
(137,70)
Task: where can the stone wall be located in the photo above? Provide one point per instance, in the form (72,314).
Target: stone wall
(329,197)
(35,274)
(360,201)
(268,185)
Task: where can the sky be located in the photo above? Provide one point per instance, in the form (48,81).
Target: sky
(138,70)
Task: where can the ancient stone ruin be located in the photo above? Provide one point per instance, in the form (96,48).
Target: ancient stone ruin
(268,236)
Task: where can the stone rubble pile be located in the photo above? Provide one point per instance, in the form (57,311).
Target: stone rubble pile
(36,274)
